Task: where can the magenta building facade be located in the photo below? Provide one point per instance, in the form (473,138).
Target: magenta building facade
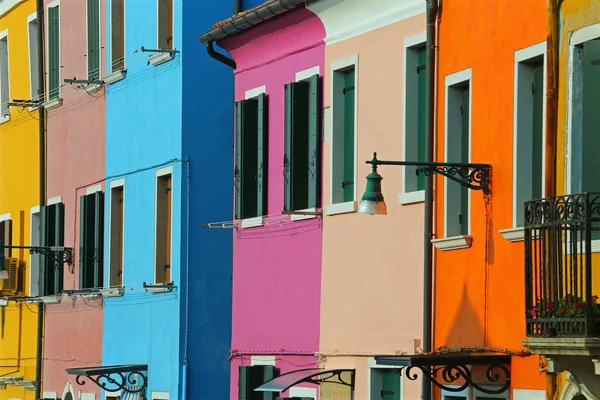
(277,256)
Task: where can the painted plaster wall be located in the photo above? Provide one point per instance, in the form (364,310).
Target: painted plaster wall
(372,288)
(76,154)
(277,267)
(479,291)
(19,178)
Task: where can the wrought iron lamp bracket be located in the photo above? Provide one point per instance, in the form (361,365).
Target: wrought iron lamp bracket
(472,176)
(496,374)
(23,104)
(58,253)
(130,382)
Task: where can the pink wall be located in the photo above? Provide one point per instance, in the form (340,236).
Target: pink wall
(76,154)
(277,267)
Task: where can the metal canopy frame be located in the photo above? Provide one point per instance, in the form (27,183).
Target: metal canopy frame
(310,375)
(453,368)
(114,378)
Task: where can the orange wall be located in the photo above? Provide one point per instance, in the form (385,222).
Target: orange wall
(479,293)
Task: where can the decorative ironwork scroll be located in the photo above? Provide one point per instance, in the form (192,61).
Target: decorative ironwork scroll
(473,176)
(130,380)
(332,376)
(59,254)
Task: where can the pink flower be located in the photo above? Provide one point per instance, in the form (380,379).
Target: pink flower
(595,297)
(534,312)
(580,306)
(564,309)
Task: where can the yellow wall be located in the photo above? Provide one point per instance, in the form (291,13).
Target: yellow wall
(19,191)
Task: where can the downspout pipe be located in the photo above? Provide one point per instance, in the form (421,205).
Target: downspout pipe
(218,56)
(237,7)
(431,16)
(42,179)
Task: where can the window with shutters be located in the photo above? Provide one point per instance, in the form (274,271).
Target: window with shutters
(529,97)
(343,135)
(252,377)
(9,266)
(414,120)
(91,240)
(302,152)
(250,176)
(457,150)
(472,393)
(93,39)
(34,65)
(35,260)
(53,50)
(53,234)
(385,384)
(117,35)
(163,222)
(165,24)
(117,198)
(4,77)
(6,234)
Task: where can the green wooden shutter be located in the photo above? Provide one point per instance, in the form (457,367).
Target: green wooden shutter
(287,151)
(261,155)
(98,239)
(390,385)
(591,117)
(349,110)
(42,275)
(314,142)
(243,383)
(54,52)
(59,240)
(268,374)
(464,192)
(249,158)
(538,133)
(82,237)
(300,157)
(237,176)
(93,39)
(422,102)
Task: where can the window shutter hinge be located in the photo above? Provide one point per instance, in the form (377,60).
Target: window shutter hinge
(421,67)
(347,89)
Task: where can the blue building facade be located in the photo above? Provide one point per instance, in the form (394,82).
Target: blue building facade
(169,139)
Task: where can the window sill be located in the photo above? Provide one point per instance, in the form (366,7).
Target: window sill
(252,222)
(3,302)
(115,76)
(411,197)
(4,119)
(513,234)
(160,58)
(453,242)
(92,88)
(53,299)
(50,104)
(159,287)
(112,292)
(341,208)
(299,217)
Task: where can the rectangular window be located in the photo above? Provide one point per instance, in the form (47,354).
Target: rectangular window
(458,107)
(163,229)
(53,34)
(34,66)
(344,133)
(117,35)
(165,24)
(385,384)
(6,235)
(53,234)
(35,260)
(9,270)
(252,377)
(116,237)
(414,117)
(251,157)
(528,125)
(93,39)
(91,240)
(4,77)
(301,161)
(462,395)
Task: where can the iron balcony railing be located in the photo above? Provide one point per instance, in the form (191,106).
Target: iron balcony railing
(560,292)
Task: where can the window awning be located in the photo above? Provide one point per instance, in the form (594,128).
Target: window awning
(455,370)
(130,378)
(312,375)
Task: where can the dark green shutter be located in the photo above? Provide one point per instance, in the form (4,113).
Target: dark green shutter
(238,159)
(591,117)
(93,39)
(243,383)
(98,239)
(464,192)
(54,52)
(59,240)
(314,141)
(349,110)
(43,276)
(538,133)
(287,151)
(300,158)
(261,156)
(422,101)
(82,236)
(268,374)
(252,377)
(390,387)
(249,158)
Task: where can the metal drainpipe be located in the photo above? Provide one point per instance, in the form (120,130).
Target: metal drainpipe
(42,201)
(237,7)
(431,15)
(218,56)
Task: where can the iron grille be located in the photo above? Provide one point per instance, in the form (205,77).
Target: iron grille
(560,294)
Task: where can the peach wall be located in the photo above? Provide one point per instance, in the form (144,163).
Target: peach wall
(479,292)
(371,296)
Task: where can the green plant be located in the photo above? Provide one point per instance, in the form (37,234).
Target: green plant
(568,306)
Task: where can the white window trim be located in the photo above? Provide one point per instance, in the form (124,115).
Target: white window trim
(173,25)
(336,65)
(93,189)
(372,364)
(162,172)
(159,396)
(251,93)
(8,5)
(87,50)
(50,395)
(118,74)
(87,396)
(4,217)
(49,104)
(54,200)
(160,58)
(341,208)
(4,34)
(68,389)
(300,217)
(112,292)
(307,73)
(453,242)
(262,360)
(451,80)
(302,392)
(30,18)
(410,42)
(528,394)
(521,56)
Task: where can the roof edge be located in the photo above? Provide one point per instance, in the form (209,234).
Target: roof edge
(248,19)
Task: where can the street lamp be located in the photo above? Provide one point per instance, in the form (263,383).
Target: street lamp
(473,176)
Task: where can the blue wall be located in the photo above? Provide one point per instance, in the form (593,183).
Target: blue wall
(182,109)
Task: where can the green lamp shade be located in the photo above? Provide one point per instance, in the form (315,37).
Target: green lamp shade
(372,202)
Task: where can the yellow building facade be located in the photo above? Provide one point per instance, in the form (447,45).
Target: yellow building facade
(19,180)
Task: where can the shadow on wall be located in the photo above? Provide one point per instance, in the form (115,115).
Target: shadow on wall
(466,328)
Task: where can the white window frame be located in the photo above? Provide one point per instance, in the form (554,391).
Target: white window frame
(50,395)
(109,23)
(158,23)
(336,67)
(159,396)
(87,396)
(7,5)
(118,183)
(296,391)
(46,32)
(5,217)
(262,360)
(30,19)
(371,365)
(528,394)
(410,44)
(34,259)
(4,35)
(87,50)
(449,81)
(160,173)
